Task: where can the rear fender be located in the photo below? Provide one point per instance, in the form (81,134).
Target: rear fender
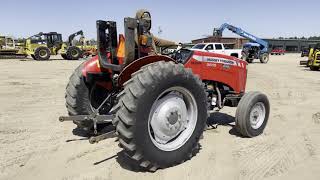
(125,74)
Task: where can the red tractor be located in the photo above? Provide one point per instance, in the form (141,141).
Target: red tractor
(158,104)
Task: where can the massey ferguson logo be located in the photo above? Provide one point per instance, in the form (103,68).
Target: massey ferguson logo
(218,60)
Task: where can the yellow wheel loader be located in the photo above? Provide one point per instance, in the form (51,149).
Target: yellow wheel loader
(42,45)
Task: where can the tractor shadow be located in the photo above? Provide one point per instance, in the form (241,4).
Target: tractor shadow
(217,119)
(131,165)
(86,134)
(214,121)
(124,161)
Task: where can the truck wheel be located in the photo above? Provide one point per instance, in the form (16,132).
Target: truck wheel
(252,114)
(160,115)
(314,68)
(64,56)
(264,58)
(73,53)
(42,53)
(82,99)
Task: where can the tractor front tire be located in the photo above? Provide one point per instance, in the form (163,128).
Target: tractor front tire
(73,53)
(42,53)
(264,58)
(161,115)
(252,114)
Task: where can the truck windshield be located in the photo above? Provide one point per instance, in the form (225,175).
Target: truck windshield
(198,46)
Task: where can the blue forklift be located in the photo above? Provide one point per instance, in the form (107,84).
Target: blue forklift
(255,49)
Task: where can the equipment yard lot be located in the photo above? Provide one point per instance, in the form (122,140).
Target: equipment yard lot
(33,142)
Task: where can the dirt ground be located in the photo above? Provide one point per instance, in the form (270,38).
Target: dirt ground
(33,144)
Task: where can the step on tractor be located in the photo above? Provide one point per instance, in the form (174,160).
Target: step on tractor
(42,45)
(156,105)
(255,49)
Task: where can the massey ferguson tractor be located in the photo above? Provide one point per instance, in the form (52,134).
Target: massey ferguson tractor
(158,105)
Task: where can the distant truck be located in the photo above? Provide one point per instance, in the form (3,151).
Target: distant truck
(217,48)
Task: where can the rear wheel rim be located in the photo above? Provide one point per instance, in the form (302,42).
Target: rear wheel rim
(172,119)
(74,53)
(42,53)
(257,115)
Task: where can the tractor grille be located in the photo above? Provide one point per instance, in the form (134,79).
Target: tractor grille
(318,56)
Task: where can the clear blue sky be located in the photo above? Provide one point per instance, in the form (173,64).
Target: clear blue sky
(179,20)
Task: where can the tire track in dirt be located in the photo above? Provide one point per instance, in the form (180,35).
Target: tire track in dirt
(269,156)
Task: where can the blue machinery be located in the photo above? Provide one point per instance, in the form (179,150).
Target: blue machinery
(263,44)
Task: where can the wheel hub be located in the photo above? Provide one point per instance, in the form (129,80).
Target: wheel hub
(169,118)
(74,53)
(257,115)
(172,118)
(42,53)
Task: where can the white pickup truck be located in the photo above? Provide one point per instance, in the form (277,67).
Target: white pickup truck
(217,48)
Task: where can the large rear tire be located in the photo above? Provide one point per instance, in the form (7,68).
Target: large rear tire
(252,114)
(42,53)
(161,115)
(82,99)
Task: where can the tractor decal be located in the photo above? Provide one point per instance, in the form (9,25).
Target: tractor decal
(217,60)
